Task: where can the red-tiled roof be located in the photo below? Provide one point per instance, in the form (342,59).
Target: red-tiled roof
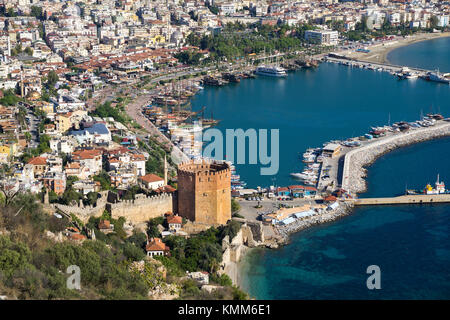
(38,161)
(77,236)
(296,187)
(155,244)
(151,178)
(104,224)
(330,198)
(85,154)
(174,219)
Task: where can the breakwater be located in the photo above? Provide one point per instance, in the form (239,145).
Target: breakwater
(406,199)
(355,161)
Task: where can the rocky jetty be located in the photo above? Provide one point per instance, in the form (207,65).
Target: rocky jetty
(358,159)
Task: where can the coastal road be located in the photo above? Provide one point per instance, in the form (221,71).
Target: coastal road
(134,110)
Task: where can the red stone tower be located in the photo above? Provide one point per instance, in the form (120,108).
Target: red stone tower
(204,191)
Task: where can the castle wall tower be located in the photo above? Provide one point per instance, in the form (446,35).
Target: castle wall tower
(204,191)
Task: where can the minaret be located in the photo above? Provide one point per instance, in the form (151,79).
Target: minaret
(9,46)
(165,170)
(21,84)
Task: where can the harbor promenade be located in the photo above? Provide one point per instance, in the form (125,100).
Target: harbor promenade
(353,171)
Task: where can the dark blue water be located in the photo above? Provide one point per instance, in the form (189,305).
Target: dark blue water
(432,54)
(410,244)
(315,106)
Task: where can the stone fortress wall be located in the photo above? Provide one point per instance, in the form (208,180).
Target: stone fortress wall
(142,208)
(84,212)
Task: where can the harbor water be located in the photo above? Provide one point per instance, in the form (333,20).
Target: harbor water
(309,107)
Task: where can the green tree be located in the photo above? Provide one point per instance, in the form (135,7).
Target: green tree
(214,10)
(36,12)
(27,136)
(434,21)
(91,198)
(52,78)
(52,196)
(104,179)
(235,206)
(13,255)
(28,51)
(132,252)
(70,196)
(10,12)
(9,98)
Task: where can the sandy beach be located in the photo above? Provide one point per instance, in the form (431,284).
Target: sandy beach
(379,52)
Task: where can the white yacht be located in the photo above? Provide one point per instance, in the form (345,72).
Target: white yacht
(272,71)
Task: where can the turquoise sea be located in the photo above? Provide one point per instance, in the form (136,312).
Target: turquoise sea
(410,244)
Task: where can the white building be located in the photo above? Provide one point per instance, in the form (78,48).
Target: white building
(323,37)
(227,8)
(98,134)
(62,145)
(152,181)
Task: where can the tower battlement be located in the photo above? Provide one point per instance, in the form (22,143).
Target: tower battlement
(204,191)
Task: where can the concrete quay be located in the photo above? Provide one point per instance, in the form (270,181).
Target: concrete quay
(376,65)
(353,171)
(406,199)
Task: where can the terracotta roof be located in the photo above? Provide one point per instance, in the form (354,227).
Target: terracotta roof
(296,187)
(38,161)
(85,154)
(155,244)
(138,157)
(330,198)
(73,165)
(104,224)
(169,189)
(174,219)
(77,236)
(151,178)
